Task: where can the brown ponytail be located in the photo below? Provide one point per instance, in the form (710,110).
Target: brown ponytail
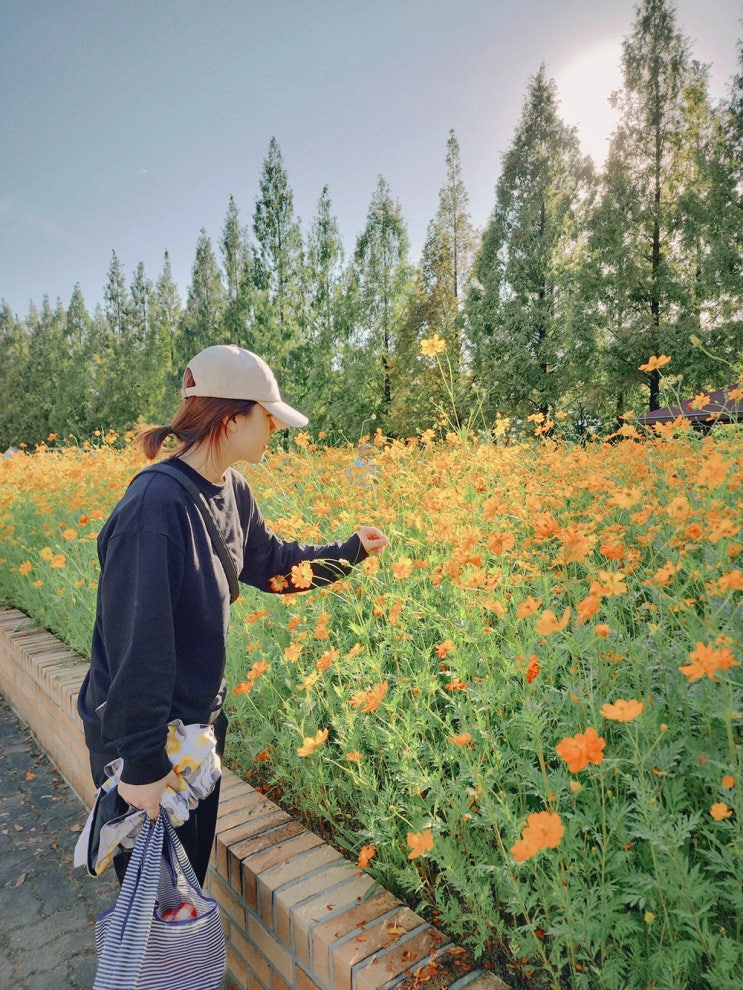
(198,418)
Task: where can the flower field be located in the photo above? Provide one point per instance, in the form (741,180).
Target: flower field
(524,719)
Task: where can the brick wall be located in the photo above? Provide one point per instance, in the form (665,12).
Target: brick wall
(297,914)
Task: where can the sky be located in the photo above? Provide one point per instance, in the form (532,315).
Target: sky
(126,125)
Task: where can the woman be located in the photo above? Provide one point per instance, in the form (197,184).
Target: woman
(158,649)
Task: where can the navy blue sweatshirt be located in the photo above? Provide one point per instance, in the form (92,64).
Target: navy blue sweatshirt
(163,611)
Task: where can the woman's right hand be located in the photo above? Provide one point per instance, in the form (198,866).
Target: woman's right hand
(146,797)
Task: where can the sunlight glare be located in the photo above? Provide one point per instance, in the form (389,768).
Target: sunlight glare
(584,84)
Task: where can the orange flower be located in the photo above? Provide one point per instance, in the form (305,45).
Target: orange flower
(601,629)
(69,534)
(728,781)
(311,743)
(244,687)
(369,701)
(278,583)
(622,711)
(528,607)
(327,659)
(720,810)
(462,739)
(587,607)
(548,623)
(366,854)
(543,830)
(654,363)
(58,561)
(713,473)
(499,543)
(354,756)
(443,649)
(419,843)
(402,568)
(707,660)
(580,750)
(301,576)
(25,567)
(731,581)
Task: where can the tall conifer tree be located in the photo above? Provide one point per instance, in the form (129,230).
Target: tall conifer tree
(527,340)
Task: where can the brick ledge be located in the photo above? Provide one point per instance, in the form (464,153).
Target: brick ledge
(297,914)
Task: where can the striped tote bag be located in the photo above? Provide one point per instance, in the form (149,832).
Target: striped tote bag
(138,949)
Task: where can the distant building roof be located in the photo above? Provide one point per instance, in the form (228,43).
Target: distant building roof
(724,405)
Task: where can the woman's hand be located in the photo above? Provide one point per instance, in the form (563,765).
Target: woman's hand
(146,797)
(372,539)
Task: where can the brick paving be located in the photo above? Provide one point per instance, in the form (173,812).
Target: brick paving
(47,906)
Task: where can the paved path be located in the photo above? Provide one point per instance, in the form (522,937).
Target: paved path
(47,906)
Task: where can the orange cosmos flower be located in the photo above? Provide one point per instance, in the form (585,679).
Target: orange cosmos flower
(278,583)
(580,750)
(728,781)
(69,534)
(354,756)
(707,660)
(419,843)
(25,567)
(655,363)
(543,830)
(444,649)
(462,739)
(499,543)
(528,607)
(402,568)
(327,659)
(587,607)
(548,622)
(311,743)
(622,711)
(601,629)
(713,473)
(732,581)
(302,575)
(366,854)
(58,561)
(720,811)
(369,701)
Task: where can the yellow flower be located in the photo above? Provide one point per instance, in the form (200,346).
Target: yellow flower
(432,346)
(311,743)
(622,711)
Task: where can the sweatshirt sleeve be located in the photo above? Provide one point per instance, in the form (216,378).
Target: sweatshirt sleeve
(268,559)
(140,583)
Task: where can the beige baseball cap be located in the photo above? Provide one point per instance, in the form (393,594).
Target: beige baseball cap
(226,371)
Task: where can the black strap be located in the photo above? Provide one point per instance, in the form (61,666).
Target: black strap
(162,467)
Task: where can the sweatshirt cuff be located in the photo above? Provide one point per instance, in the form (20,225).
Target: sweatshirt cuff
(146,770)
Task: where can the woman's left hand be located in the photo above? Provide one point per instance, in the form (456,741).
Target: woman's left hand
(372,539)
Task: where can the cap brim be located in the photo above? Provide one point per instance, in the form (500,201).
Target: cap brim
(284,415)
